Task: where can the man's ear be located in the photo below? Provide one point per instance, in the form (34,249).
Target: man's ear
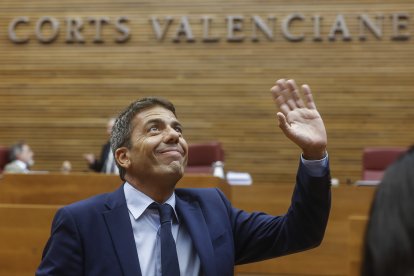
(122,157)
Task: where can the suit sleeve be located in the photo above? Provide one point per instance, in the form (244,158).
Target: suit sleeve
(99,163)
(63,252)
(259,236)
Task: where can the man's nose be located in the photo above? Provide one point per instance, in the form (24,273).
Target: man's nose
(171,135)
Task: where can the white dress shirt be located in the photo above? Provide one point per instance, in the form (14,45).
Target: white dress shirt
(110,166)
(315,168)
(16,166)
(146,226)
(22,165)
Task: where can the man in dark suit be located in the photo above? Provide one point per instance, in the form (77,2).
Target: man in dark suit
(106,162)
(119,233)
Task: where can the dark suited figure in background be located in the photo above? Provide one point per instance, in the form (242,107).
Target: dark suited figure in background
(120,233)
(389,237)
(21,158)
(106,162)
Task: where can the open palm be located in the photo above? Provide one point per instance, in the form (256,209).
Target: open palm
(299,118)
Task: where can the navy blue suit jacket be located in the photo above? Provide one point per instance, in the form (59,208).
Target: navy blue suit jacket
(94,237)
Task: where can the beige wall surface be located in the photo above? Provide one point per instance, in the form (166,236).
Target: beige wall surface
(58,95)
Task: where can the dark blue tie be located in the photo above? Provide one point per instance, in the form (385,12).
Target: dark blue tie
(169,259)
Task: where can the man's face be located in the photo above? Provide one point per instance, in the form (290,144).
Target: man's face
(26,155)
(157,144)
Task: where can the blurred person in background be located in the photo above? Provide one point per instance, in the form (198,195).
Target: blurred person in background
(21,158)
(106,162)
(389,237)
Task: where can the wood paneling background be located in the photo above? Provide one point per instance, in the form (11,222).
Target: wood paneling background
(58,96)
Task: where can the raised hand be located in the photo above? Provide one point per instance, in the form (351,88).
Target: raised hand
(299,119)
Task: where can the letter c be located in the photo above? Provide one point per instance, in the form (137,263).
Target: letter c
(12,26)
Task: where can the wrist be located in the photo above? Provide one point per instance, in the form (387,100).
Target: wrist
(314,154)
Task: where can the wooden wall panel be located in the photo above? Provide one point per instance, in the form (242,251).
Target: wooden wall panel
(58,96)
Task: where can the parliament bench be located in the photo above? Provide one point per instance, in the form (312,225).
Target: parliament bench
(332,257)
(357,226)
(24,230)
(62,188)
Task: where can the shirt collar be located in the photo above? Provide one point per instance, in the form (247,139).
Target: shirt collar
(21,164)
(138,202)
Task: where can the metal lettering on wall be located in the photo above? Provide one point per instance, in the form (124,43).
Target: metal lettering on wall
(235,28)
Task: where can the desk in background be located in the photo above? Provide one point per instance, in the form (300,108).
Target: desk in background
(332,257)
(62,189)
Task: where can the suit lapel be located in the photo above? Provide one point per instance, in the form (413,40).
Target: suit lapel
(191,214)
(120,229)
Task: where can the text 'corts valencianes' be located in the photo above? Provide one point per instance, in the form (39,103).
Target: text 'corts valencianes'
(294,27)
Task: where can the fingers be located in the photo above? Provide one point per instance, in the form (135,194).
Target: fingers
(283,124)
(278,96)
(295,93)
(286,96)
(307,94)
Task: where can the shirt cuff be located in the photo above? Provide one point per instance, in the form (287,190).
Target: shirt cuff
(315,168)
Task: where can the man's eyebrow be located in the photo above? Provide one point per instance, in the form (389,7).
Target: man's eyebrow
(159,121)
(152,121)
(177,123)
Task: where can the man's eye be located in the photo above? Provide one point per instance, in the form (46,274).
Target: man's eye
(178,129)
(153,129)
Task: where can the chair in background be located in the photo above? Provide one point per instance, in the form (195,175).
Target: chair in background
(375,160)
(4,157)
(202,156)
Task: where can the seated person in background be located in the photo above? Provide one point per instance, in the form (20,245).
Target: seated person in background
(106,162)
(389,237)
(66,167)
(21,159)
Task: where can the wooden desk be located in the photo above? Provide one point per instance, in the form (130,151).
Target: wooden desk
(62,189)
(24,230)
(357,225)
(332,256)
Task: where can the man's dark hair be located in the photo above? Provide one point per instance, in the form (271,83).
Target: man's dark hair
(121,132)
(389,237)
